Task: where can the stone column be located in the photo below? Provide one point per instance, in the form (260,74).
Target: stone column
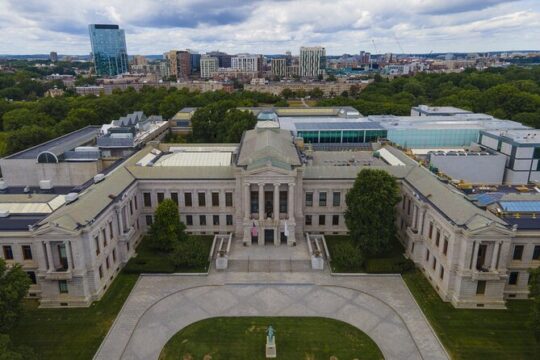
(261,202)
(475,254)
(120,222)
(247,203)
(494,256)
(290,204)
(68,254)
(276,202)
(49,256)
(415,216)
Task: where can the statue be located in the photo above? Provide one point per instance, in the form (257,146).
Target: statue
(270,343)
(270,334)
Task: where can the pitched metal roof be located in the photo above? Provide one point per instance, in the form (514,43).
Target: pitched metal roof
(268,145)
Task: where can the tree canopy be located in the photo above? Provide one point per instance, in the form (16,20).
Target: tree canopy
(370,214)
(14,284)
(167,230)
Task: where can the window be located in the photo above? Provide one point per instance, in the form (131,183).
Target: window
(27,252)
(409,207)
(336,198)
(160,197)
(283,202)
(430,230)
(131,207)
(202,220)
(215,219)
(228,199)
(335,220)
(187,199)
(202,199)
(518,252)
(427,255)
(437,238)
(147,199)
(189,220)
(100,269)
(149,220)
(114,255)
(96,241)
(322,199)
(8,253)
(229,219)
(434,263)
(513,278)
(111,233)
(174,197)
(441,273)
(445,246)
(308,220)
(135,201)
(322,220)
(215,199)
(63,286)
(32,277)
(104,235)
(536,253)
(481,287)
(309,199)
(107,263)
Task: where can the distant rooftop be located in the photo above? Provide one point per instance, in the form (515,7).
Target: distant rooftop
(524,136)
(440,110)
(467,121)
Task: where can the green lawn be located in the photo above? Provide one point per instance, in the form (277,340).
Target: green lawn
(245,337)
(150,261)
(476,334)
(71,334)
(391,262)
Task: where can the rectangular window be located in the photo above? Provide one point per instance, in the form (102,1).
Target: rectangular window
(147,199)
(322,220)
(135,201)
(283,202)
(481,287)
(215,220)
(335,220)
(174,197)
(430,230)
(160,197)
(309,199)
(189,220)
(518,252)
(114,255)
(202,220)
(63,286)
(111,233)
(437,238)
(441,274)
(100,269)
(149,220)
(8,252)
(131,207)
(445,246)
(322,199)
(229,219)
(96,241)
(27,252)
(104,236)
(215,199)
(308,220)
(187,199)
(427,255)
(202,199)
(409,207)
(513,278)
(336,198)
(228,199)
(536,253)
(434,263)
(107,263)
(32,277)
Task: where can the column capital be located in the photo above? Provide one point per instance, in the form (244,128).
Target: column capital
(276,185)
(291,184)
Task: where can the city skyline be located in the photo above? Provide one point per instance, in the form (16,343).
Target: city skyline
(273,27)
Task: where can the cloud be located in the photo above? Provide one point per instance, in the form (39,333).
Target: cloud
(271,26)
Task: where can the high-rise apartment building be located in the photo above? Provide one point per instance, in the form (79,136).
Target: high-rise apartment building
(179,63)
(279,67)
(139,60)
(53,56)
(195,62)
(312,61)
(223,58)
(208,65)
(247,63)
(109,50)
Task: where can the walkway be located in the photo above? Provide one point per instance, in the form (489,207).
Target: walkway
(160,306)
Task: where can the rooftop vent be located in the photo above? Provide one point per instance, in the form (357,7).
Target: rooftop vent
(4,213)
(3,185)
(99,178)
(45,185)
(71,197)
(26,189)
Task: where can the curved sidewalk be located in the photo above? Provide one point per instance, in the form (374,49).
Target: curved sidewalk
(160,306)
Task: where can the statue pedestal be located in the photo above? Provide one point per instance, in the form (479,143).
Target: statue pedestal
(270,349)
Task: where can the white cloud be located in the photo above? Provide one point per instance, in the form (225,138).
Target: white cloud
(273,26)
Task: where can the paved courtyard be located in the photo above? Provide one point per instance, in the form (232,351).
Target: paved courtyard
(160,306)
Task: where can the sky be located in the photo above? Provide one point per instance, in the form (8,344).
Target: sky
(274,26)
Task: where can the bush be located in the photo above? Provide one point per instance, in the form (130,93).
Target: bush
(189,254)
(346,255)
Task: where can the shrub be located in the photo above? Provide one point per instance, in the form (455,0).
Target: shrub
(189,254)
(347,256)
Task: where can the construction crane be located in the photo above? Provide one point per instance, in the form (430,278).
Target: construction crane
(399,44)
(374,46)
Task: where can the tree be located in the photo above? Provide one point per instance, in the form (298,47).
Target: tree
(234,124)
(9,352)
(370,213)
(316,93)
(167,230)
(14,285)
(190,254)
(27,136)
(534,293)
(18,118)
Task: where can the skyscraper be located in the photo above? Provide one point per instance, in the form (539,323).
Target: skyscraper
(179,63)
(312,61)
(109,49)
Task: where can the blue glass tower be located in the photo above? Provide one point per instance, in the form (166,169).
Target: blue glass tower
(109,49)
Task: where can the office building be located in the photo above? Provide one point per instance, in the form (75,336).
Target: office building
(109,50)
(179,64)
(209,66)
(279,67)
(247,63)
(195,62)
(224,59)
(139,60)
(312,61)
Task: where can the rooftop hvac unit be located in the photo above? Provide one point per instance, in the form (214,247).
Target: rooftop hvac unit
(86,149)
(45,185)
(3,185)
(71,197)
(99,178)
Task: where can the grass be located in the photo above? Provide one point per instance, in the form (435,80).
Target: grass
(245,337)
(151,261)
(390,262)
(477,334)
(71,334)
(298,103)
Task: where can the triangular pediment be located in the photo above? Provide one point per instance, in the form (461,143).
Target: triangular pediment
(268,171)
(52,230)
(482,226)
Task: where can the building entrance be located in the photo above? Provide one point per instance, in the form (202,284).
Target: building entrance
(269,236)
